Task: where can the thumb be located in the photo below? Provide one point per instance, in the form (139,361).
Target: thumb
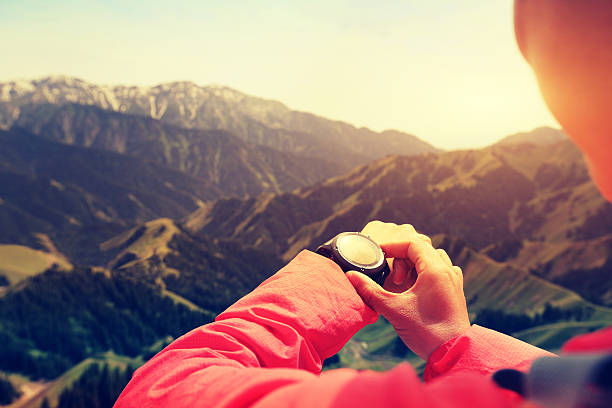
(371,292)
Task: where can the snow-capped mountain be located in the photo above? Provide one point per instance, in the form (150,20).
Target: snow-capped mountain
(188,105)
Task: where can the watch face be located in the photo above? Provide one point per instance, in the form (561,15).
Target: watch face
(360,250)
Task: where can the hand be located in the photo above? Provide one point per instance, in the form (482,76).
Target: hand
(423,296)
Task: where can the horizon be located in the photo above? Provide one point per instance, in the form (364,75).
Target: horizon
(450,75)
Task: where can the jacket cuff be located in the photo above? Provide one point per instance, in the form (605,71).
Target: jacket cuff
(481,350)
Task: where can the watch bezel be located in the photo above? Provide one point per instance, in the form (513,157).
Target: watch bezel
(330,250)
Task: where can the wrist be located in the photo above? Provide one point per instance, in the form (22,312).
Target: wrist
(448,336)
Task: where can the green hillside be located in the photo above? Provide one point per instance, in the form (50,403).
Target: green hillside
(201,271)
(56,324)
(52,390)
(19,262)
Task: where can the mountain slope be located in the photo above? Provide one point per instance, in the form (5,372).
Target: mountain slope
(479,196)
(497,200)
(584,266)
(234,167)
(208,273)
(79,196)
(55,319)
(20,262)
(187,105)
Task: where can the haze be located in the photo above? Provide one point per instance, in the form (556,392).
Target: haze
(446,71)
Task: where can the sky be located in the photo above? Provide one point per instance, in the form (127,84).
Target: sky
(447,71)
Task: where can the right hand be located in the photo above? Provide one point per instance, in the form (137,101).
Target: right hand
(427,307)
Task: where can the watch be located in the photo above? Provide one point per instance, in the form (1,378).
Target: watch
(353,251)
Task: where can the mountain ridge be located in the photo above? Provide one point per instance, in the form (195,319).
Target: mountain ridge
(541,135)
(187,105)
(502,196)
(74,194)
(235,167)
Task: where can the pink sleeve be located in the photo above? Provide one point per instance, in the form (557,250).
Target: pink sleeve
(294,320)
(266,350)
(483,351)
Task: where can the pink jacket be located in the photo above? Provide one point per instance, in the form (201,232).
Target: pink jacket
(267,349)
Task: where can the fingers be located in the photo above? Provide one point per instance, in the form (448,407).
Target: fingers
(444,256)
(378,230)
(459,275)
(416,250)
(425,238)
(410,274)
(372,294)
(370,227)
(427,313)
(403,241)
(400,270)
(403,276)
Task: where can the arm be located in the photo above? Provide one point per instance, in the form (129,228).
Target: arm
(267,349)
(482,351)
(290,323)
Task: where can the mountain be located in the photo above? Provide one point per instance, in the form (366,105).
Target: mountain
(160,251)
(516,218)
(584,266)
(501,200)
(232,166)
(79,196)
(542,135)
(187,105)
(209,273)
(131,215)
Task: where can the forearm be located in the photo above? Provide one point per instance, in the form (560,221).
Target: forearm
(294,320)
(308,307)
